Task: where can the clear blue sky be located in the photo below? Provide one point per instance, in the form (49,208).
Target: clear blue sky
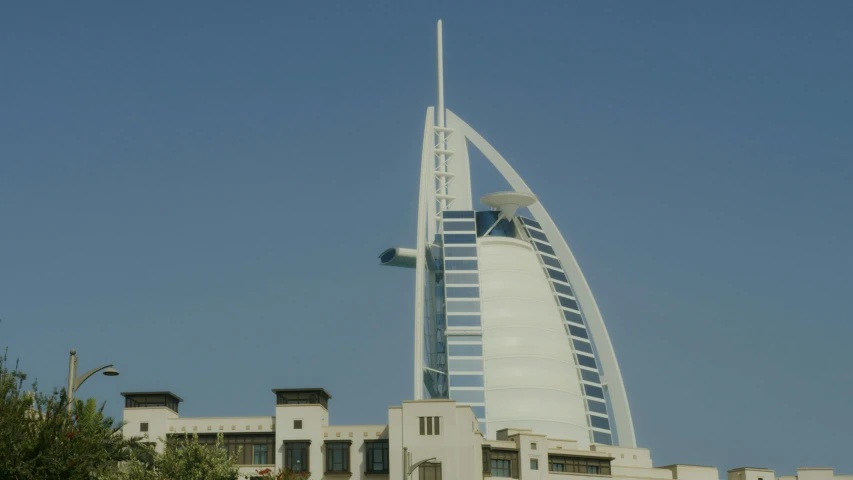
(198,193)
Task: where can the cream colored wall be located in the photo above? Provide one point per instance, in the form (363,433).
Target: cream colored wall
(395,442)
(208,425)
(693,472)
(314,419)
(641,472)
(748,473)
(633,463)
(357,434)
(558,444)
(815,474)
(625,456)
(530,374)
(157,419)
(458,446)
(525,442)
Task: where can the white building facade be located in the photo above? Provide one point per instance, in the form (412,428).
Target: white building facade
(422,440)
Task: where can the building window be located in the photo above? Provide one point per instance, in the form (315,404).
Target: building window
(534,464)
(460,264)
(500,463)
(430,425)
(600,422)
(568,302)
(593,466)
(552,262)
(297,424)
(296,456)
(260,454)
(337,457)
(143,427)
(459,226)
(463,292)
(577,331)
(460,252)
(537,235)
(557,275)
(544,248)
(597,407)
(533,445)
(457,214)
(500,468)
(242,447)
(451,238)
(377,456)
(586,361)
(590,376)
(532,223)
(602,438)
(429,471)
(486,466)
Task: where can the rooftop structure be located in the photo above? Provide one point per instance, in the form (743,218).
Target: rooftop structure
(151,399)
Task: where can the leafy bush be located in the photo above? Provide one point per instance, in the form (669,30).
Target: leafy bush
(40,439)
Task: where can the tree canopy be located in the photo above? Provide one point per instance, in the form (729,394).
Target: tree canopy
(41,440)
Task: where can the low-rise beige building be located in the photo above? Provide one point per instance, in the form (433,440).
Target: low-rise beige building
(422,440)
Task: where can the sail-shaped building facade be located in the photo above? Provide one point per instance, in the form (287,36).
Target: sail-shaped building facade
(504,319)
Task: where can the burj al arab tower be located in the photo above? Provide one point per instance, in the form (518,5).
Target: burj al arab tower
(504,319)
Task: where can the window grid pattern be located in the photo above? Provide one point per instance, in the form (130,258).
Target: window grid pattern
(429,471)
(296,456)
(435,321)
(500,463)
(243,448)
(429,425)
(500,468)
(575,326)
(260,454)
(464,339)
(337,456)
(150,400)
(565,464)
(377,456)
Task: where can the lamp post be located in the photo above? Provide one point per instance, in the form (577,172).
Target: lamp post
(74,381)
(408,466)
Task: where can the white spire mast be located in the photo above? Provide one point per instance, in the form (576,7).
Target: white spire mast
(442,136)
(440,79)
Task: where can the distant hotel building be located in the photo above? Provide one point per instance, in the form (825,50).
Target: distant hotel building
(504,319)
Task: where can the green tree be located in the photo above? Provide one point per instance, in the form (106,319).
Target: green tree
(183,458)
(40,440)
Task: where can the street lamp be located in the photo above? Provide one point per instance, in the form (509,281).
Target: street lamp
(74,381)
(408,466)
